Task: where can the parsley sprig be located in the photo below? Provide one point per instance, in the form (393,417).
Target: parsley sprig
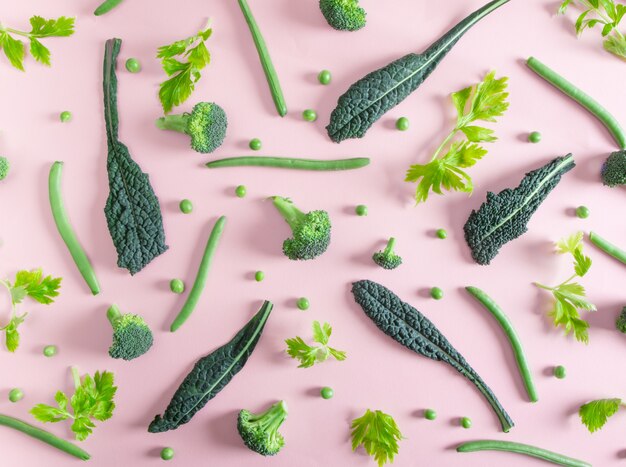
(605,13)
(41,28)
(595,414)
(482,102)
(310,355)
(569,297)
(378,433)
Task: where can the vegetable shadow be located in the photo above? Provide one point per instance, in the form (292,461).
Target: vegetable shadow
(268,241)
(364,258)
(223,428)
(588,169)
(89,332)
(604,317)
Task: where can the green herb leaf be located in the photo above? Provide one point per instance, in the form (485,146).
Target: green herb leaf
(570,244)
(12,336)
(616,45)
(308,355)
(60,27)
(33,284)
(39,52)
(595,414)
(378,433)
(13,49)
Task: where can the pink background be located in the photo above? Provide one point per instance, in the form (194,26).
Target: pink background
(378,374)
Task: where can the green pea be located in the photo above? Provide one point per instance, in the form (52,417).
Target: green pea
(559,372)
(303,303)
(402,124)
(241,191)
(16,395)
(582,212)
(361,210)
(436,293)
(133,65)
(327,393)
(441,233)
(430,414)
(466,422)
(534,137)
(177,286)
(167,454)
(65,116)
(255,144)
(309,115)
(50,350)
(186,206)
(324,77)
(259,276)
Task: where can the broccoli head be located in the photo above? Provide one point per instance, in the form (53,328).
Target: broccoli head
(206,125)
(620,324)
(311,230)
(614,169)
(386,258)
(260,431)
(343,15)
(131,335)
(4,167)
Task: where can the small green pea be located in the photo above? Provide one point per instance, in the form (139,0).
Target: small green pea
(436,293)
(402,124)
(167,454)
(559,372)
(582,212)
(303,303)
(324,77)
(177,286)
(65,116)
(309,115)
(430,414)
(133,65)
(534,137)
(241,191)
(50,350)
(361,210)
(16,395)
(441,233)
(255,144)
(259,276)
(186,206)
(466,422)
(327,393)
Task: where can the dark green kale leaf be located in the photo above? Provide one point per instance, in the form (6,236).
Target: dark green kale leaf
(132,209)
(413,330)
(211,374)
(504,216)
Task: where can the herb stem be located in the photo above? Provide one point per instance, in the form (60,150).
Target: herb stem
(445,142)
(541,286)
(565,282)
(76,376)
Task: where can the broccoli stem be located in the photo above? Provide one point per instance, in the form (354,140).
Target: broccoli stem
(173,122)
(76,376)
(114,315)
(292,215)
(272,418)
(390,245)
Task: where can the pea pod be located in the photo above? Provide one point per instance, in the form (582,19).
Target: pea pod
(608,247)
(290,163)
(106,6)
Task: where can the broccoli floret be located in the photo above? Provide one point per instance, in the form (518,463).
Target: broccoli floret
(4,167)
(131,335)
(311,230)
(620,324)
(386,258)
(614,169)
(343,15)
(206,124)
(260,431)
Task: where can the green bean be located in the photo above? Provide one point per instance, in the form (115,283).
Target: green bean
(266,60)
(608,247)
(290,163)
(581,97)
(203,272)
(44,436)
(519,448)
(106,6)
(507,326)
(65,228)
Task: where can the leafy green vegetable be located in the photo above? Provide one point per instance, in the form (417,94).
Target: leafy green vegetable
(409,327)
(40,28)
(569,297)
(378,433)
(182,61)
(596,413)
(379,91)
(92,400)
(259,432)
(211,374)
(132,209)
(482,102)
(504,216)
(605,13)
(310,355)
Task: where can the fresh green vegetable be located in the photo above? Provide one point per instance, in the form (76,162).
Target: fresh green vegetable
(92,400)
(482,102)
(430,414)
(582,212)
(504,216)
(606,13)
(613,171)
(343,15)
(62,221)
(311,230)
(266,60)
(378,433)
(259,432)
(65,116)
(361,210)
(519,448)
(379,91)
(409,327)
(595,414)
(310,355)
(259,276)
(201,276)
(240,191)
(327,393)
(290,163)
(4,167)
(182,62)
(324,77)
(582,98)
(569,297)
(177,286)
(608,247)
(45,436)
(620,322)
(167,454)
(186,206)
(309,115)
(133,65)
(31,284)
(40,29)
(16,395)
(559,372)
(206,125)
(131,335)
(255,144)
(402,124)
(506,325)
(303,303)
(436,293)
(387,258)
(132,209)
(466,422)
(50,350)
(106,6)
(534,137)
(211,374)
(442,234)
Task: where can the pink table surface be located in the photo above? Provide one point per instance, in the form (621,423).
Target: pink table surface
(378,373)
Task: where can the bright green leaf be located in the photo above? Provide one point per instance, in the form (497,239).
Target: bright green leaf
(39,51)
(595,414)
(13,49)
